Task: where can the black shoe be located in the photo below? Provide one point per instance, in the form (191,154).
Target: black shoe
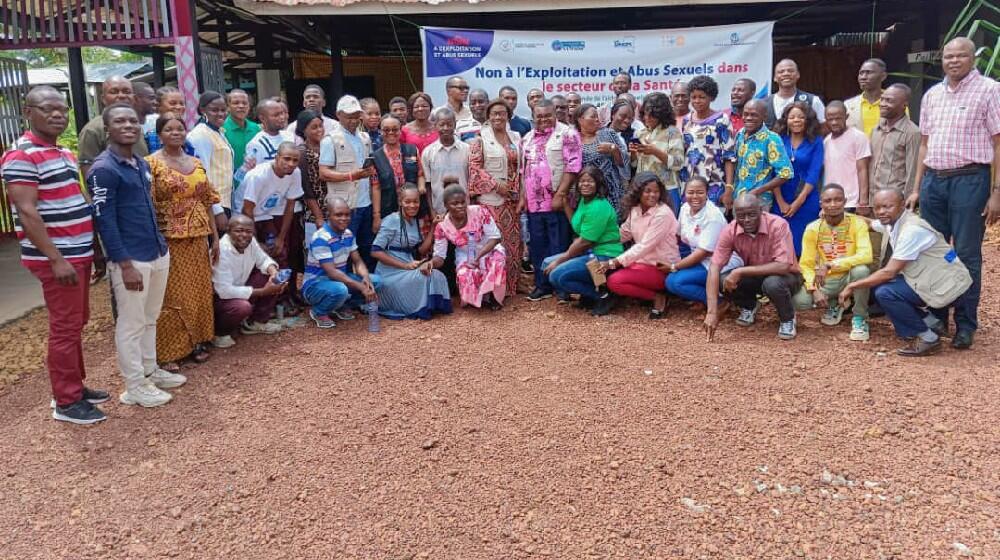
(80,412)
(584,303)
(940,329)
(538,295)
(564,300)
(918,347)
(95,396)
(603,306)
(527,268)
(962,340)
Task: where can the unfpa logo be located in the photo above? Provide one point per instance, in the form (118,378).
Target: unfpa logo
(458,41)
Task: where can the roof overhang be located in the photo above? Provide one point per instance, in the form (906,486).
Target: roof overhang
(398,7)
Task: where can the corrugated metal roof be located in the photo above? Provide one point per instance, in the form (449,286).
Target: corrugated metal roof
(95,73)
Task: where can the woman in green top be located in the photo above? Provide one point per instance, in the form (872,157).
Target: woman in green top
(595,223)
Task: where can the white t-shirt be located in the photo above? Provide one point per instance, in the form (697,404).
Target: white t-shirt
(264,147)
(268,191)
(907,243)
(702,230)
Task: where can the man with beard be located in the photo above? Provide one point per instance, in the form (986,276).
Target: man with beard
(786,74)
(742,92)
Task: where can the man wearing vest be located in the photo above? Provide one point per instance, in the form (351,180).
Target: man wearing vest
(922,278)
(786,74)
(553,155)
(342,155)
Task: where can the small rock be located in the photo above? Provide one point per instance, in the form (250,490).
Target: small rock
(961,549)
(760,487)
(647,372)
(693,506)
(429,444)
(550,314)
(881,354)
(871,484)
(176,511)
(436,337)
(940,428)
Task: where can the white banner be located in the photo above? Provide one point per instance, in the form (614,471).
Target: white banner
(586,62)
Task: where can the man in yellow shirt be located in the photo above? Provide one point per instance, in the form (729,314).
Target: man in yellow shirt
(863,109)
(836,250)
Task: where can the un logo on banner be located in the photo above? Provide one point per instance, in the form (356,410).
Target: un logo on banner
(734,38)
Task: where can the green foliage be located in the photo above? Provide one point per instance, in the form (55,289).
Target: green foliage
(68,138)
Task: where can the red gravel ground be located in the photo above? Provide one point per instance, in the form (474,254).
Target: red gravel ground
(525,434)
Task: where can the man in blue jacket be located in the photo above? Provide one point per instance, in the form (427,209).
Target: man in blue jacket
(138,262)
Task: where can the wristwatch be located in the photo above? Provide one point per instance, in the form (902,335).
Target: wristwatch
(673,267)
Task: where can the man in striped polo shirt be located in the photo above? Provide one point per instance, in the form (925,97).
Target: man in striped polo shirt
(56,233)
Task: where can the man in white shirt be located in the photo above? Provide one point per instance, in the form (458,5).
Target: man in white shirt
(457,90)
(245,285)
(313,99)
(263,147)
(270,191)
(447,156)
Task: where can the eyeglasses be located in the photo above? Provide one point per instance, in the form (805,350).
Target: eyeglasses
(463,88)
(49,109)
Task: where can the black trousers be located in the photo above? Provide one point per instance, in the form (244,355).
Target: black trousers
(779,288)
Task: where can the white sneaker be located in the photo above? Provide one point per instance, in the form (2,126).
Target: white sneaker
(145,395)
(259,328)
(163,379)
(223,342)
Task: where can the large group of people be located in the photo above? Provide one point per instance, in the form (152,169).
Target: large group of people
(236,227)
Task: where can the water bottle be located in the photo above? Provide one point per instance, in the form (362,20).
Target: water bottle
(470,249)
(373,318)
(283,276)
(269,241)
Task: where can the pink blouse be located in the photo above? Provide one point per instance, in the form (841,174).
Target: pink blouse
(654,233)
(421,141)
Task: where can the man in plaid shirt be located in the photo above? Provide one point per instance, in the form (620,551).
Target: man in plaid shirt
(960,139)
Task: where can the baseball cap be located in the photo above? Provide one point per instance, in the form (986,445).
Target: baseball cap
(348,104)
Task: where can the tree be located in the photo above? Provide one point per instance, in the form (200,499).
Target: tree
(46,58)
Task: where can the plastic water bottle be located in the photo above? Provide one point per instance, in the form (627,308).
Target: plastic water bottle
(269,241)
(470,249)
(283,276)
(373,318)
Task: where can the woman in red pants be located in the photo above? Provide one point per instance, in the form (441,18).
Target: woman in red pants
(652,228)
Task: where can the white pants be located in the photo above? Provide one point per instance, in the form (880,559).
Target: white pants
(138,310)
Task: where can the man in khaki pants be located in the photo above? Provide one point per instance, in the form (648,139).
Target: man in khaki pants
(120,185)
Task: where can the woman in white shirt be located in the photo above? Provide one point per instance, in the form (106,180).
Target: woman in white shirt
(700,226)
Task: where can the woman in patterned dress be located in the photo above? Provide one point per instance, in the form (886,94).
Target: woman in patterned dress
(710,142)
(495,184)
(480,259)
(183,199)
(606,150)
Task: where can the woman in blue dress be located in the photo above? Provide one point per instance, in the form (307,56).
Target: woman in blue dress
(798,199)
(411,287)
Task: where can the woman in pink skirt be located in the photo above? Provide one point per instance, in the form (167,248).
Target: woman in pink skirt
(480,259)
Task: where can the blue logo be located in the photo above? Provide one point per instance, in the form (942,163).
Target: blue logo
(627,43)
(734,38)
(558,45)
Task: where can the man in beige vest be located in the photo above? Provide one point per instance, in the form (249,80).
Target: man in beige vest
(922,279)
(342,155)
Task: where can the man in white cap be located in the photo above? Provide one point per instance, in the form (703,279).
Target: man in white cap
(342,157)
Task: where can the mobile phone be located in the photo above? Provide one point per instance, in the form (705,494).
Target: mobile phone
(369,162)
(634,141)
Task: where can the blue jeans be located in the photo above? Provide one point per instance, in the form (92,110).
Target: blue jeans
(326,295)
(954,206)
(903,307)
(675,196)
(573,277)
(549,235)
(361,227)
(689,283)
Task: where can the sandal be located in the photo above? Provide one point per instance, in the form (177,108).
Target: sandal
(655,314)
(200,354)
(172,367)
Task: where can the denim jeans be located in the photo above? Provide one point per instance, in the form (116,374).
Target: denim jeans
(954,206)
(361,227)
(573,277)
(904,307)
(832,288)
(689,283)
(326,295)
(549,235)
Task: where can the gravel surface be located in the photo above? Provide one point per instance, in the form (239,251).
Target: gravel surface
(538,432)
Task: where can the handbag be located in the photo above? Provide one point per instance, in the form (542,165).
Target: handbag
(597,274)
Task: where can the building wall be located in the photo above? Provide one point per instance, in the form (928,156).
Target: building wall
(389,73)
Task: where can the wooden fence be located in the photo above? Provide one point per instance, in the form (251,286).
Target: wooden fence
(13,88)
(62,23)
